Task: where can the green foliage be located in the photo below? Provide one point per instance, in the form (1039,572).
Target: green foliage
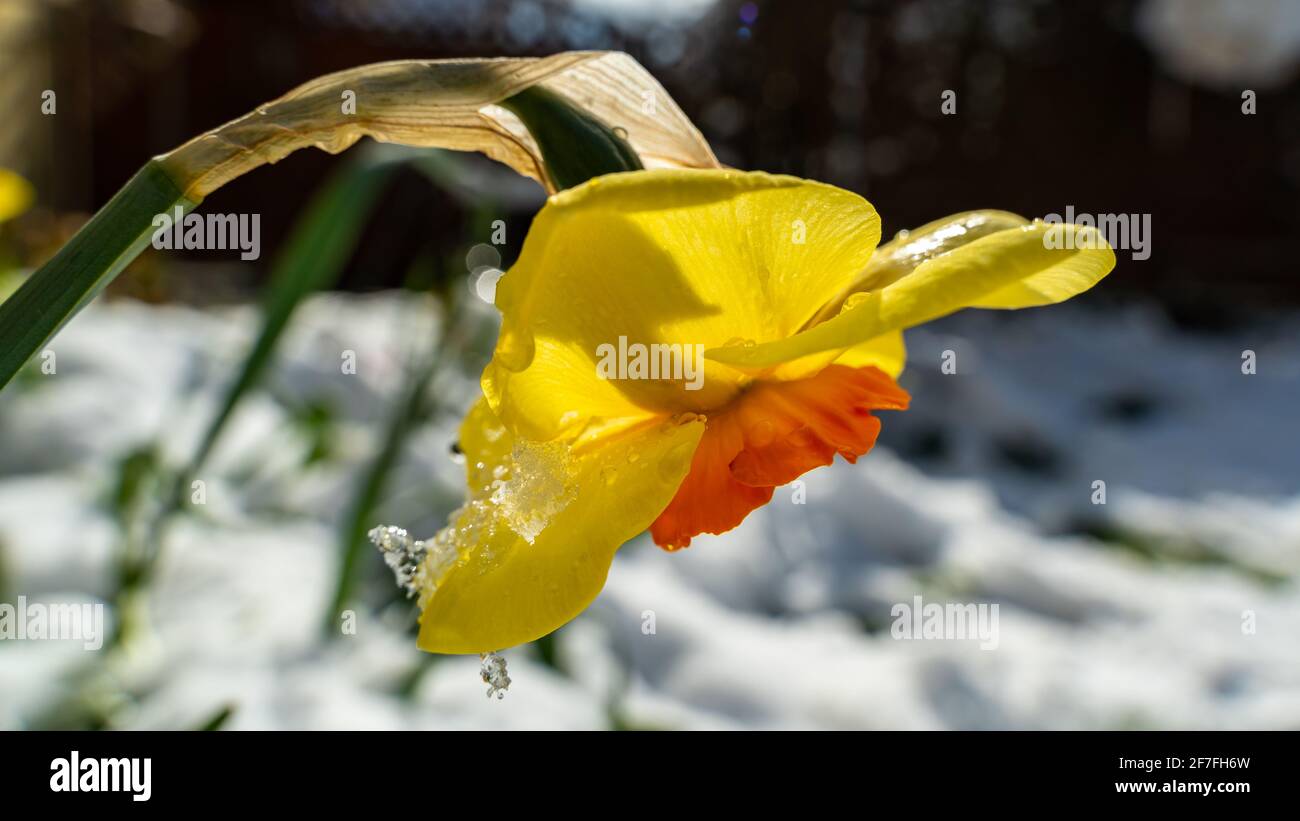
(312,260)
(52,295)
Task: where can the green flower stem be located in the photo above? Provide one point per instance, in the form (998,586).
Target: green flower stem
(576,146)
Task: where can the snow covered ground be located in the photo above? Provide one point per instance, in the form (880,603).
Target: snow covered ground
(1173,605)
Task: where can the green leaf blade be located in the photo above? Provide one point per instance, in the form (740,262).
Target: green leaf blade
(105,245)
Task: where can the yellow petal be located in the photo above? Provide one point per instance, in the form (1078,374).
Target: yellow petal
(485,444)
(886,352)
(1056,283)
(891,262)
(1014,268)
(664,257)
(901,255)
(15,195)
(533,546)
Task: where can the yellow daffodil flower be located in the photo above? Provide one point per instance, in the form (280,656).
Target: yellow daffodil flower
(801,334)
(15,195)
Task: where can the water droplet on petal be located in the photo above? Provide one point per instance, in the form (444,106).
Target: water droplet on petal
(762,434)
(855,300)
(902,235)
(515,349)
(675,462)
(457,455)
(483,283)
(620,132)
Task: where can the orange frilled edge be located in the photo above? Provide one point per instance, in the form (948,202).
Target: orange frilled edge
(771,434)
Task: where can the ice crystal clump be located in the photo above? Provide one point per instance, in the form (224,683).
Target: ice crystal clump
(525,493)
(416,564)
(492,669)
(403,555)
(534,488)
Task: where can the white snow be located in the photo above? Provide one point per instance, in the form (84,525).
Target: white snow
(1128,614)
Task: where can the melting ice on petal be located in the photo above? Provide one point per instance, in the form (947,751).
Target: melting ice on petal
(524,494)
(533,488)
(413,562)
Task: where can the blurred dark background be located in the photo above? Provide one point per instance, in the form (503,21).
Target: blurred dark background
(1112,107)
